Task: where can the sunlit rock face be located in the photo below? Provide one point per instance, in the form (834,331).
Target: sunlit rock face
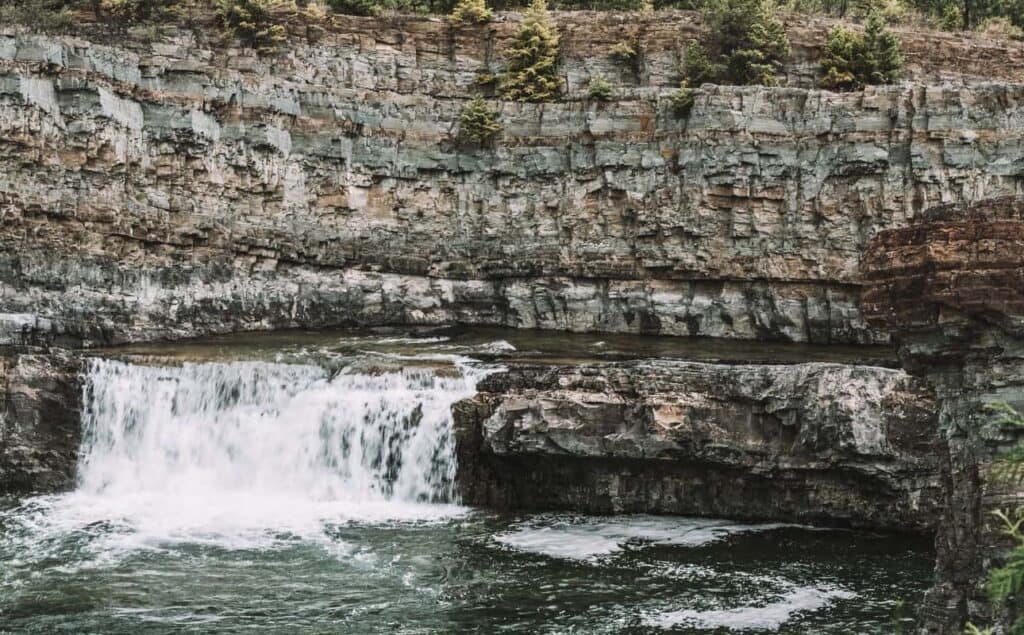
(819,442)
(949,287)
(176,187)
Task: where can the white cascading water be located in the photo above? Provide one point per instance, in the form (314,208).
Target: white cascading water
(229,450)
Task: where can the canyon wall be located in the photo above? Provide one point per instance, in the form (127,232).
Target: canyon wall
(167,184)
(176,187)
(951,288)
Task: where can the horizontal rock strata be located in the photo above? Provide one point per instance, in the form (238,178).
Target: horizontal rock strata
(178,187)
(817,442)
(951,289)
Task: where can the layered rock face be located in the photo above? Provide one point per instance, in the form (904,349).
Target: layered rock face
(951,288)
(830,443)
(40,420)
(178,187)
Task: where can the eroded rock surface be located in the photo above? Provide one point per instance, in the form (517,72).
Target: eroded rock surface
(40,420)
(178,187)
(817,442)
(951,288)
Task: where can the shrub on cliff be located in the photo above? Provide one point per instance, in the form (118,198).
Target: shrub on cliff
(745,44)
(599,88)
(532,73)
(853,60)
(130,11)
(355,7)
(251,21)
(623,52)
(478,123)
(471,12)
(682,101)
(42,15)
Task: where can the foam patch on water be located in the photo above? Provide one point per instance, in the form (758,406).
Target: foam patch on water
(591,538)
(767,617)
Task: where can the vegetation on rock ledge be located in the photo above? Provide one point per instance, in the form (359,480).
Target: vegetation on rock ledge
(745,44)
(471,12)
(1006,582)
(852,60)
(478,123)
(532,73)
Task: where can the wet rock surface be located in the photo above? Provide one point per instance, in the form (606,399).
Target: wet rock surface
(831,443)
(40,419)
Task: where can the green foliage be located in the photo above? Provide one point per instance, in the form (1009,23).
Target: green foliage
(682,100)
(252,21)
(1006,582)
(698,68)
(852,60)
(478,123)
(971,629)
(600,89)
(41,15)
(532,73)
(355,7)
(745,44)
(1001,28)
(623,52)
(485,79)
(134,11)
(952,15)
(471,12)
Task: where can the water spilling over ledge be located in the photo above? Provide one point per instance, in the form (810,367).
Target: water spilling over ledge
(187,448)
(303,482)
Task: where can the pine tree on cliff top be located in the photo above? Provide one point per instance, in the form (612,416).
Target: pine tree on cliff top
(532,73)
(745,41)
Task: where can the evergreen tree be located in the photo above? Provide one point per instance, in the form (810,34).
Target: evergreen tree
(471,12)
(882,58)
(852,60)
(532,73)
(747,40)
(478,123)
(252,21)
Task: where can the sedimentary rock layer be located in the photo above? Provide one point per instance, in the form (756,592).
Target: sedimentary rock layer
(817,442)
(40,420)
(949,287)
(179,187)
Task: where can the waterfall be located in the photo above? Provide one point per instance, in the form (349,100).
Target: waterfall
(226,447)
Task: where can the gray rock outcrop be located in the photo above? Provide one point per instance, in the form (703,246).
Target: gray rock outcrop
(177,187)
(817,442)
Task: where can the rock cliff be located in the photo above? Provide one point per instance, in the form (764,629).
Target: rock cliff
(827,443)
(175,187)
(951,288)
(40,420)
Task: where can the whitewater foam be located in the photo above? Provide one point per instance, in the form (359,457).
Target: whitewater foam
(252,455)
(767,617)
(590,538)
